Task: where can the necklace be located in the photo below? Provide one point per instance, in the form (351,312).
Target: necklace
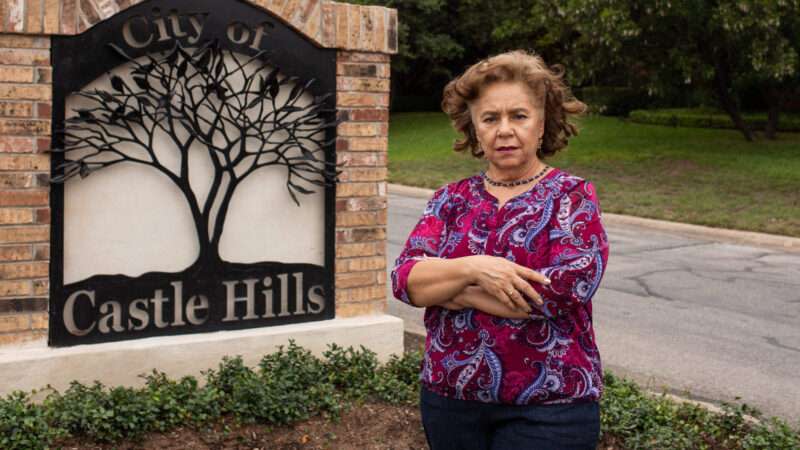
(515,182)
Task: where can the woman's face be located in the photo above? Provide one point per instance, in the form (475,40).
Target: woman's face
(508,124)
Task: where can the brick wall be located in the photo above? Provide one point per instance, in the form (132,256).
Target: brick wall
(362,80)
(329,24)
(365,35)
(24,196)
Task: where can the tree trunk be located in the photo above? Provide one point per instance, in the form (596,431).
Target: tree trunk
(724,90)
(773,112)
(723,85)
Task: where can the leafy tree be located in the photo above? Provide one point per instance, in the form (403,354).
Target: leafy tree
(662,47)
(428,50)
(718,45)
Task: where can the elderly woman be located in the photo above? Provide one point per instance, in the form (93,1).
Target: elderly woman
(506,263)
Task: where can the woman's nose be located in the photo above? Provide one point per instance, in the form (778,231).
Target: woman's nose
(504,128)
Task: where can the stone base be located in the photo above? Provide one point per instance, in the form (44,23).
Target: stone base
(34,365)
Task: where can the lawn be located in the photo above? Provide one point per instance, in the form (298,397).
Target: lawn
(702,176)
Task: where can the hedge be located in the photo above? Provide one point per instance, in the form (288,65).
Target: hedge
(292,385)
(709,118)
(612,100)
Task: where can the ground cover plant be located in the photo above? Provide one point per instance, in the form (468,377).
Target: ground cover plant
(703,176)
(293,399)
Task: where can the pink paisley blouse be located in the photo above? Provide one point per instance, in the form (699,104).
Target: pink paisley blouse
(550,357)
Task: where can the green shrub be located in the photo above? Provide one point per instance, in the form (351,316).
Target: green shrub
(353,371)
(406,368)
(642,421)
(292,384)
(709,118)
(102,414)
(398,381)
(771,434)
(24,425)
(181,402)
(288,386)
(612,100)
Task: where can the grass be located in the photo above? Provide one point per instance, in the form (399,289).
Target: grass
(702,176)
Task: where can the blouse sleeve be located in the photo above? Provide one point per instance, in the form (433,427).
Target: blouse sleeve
(424,241)
(578,252)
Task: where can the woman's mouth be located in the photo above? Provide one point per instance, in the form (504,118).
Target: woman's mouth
(506,149)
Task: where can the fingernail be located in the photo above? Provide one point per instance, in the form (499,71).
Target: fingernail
(547,281)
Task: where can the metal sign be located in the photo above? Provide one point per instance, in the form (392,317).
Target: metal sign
(226,81)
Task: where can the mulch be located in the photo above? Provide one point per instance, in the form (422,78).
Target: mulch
(371,426)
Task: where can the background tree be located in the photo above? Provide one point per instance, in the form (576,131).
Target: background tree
(225,104)
(664,46)
(429,50)
(662,50)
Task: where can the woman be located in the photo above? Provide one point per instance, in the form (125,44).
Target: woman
(506,263)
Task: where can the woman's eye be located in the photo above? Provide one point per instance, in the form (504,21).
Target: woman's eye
(488,120)
(520,116)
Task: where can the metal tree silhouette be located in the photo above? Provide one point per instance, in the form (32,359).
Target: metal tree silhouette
(229,103)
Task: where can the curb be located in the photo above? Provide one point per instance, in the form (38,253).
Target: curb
(772,241)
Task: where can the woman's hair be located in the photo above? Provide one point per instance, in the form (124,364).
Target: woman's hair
(546,83)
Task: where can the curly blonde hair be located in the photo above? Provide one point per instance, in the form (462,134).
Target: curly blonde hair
(546,83)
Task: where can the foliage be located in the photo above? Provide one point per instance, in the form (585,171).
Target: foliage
(101,413)
(429,49)
(287,386)
(668,45)
(663,48)
(613,100)
(643,421)
(708,118)
(24,424)
(292,384)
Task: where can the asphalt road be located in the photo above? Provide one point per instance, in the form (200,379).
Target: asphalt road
(700,319)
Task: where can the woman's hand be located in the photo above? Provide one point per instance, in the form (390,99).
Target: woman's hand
(506,281)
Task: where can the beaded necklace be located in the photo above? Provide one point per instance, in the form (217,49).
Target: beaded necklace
(516,182)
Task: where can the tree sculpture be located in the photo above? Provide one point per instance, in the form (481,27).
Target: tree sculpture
(228,103)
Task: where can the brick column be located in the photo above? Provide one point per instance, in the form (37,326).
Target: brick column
(362,81)
(365,37)
(25,94)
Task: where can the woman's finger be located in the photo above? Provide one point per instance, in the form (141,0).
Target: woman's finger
(532,275)
(504,297)
(515,295)
(525,288)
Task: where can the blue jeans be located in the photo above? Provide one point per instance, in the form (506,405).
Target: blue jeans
(470,425)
